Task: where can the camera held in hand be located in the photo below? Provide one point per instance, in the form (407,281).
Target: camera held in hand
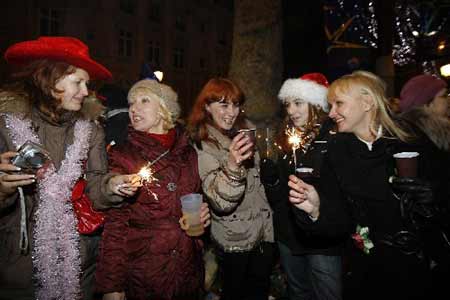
(31,157)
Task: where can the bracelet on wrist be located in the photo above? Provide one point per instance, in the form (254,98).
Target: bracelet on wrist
(234,175)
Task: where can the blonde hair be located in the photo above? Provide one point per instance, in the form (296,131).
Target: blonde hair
(368,84)
(166,95)
(169,119)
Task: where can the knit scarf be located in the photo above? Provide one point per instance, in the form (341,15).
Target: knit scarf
(56,254)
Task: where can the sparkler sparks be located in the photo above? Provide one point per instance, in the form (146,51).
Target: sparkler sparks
(147,177)
(295,140)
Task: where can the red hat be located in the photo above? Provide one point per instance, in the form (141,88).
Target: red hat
(420,90)
(311,87)
(58,48)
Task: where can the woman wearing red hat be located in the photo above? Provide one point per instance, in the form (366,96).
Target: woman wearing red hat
(42,254)
(312,264)
(385,217)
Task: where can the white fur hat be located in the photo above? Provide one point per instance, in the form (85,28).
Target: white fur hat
(164,92)
(311,87)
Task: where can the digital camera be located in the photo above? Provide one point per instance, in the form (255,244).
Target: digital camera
(31,157)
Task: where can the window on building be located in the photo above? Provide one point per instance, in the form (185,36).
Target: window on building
(125,43)
(90,35)
(153,52)
(202,63)
(203,27)
(128,6)
(50,21)
(154,12)
(180,22)
(221,37)
(178,58)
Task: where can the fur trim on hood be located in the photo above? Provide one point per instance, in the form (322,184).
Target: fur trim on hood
(436,128)
(17,102)
(14,102)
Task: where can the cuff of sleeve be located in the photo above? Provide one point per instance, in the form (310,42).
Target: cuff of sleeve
(313,218)
(238,175)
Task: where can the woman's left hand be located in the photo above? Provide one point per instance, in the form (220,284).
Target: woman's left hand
(205,216)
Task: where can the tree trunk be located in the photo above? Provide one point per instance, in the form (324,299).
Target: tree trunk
(384,65)
(256,60)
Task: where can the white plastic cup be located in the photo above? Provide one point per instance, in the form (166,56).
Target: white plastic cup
(190,222)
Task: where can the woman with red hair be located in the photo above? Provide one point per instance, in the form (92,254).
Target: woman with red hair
(48,230)
(241,223)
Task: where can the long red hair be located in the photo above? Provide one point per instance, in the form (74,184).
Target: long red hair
(38,80)
(215,90)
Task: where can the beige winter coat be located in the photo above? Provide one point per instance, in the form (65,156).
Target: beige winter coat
(241,216)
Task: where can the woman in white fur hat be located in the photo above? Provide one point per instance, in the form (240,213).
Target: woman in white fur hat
(144,253)
(312,264)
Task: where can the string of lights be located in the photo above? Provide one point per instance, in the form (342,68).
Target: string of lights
(416,22)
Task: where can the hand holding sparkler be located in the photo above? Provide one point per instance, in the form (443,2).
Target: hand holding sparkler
(125,185)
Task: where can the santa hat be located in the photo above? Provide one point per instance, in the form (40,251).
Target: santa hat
(311,88)
(167,96)
(58,48)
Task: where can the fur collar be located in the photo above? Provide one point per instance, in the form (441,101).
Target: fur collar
(436,128)
(18,103)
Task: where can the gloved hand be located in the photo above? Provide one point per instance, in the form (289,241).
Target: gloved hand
(269,172)
(416,196)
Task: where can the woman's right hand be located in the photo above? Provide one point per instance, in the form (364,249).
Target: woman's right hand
(114,296)
(10,181)
(241,148)
(124,185)
(304,196)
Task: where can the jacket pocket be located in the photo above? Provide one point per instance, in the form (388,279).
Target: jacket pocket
(241,226)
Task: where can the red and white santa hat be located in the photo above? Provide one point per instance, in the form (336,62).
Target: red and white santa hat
(311,88)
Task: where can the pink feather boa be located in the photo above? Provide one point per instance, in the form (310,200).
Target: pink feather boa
(56,254)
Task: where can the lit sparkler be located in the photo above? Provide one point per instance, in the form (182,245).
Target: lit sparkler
(147,176)
(295,140)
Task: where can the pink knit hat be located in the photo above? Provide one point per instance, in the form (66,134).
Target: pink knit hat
(420,90)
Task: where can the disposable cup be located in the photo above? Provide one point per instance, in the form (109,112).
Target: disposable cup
(406,163)
(306,174)
(190,222)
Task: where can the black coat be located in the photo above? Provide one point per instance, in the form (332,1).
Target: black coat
(354,190)
(286,230)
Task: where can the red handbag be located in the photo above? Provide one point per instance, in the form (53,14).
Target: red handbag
(89,220)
